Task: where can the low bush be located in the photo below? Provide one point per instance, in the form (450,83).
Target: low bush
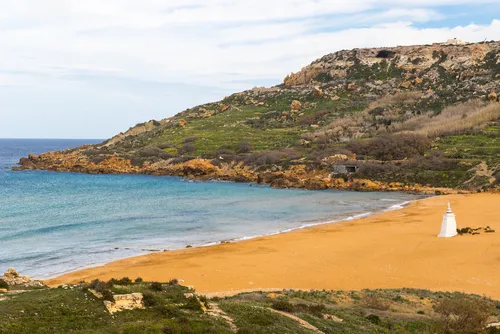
(156,286)
(244,147)
(317,310)
(190,139)
(138,280)
(150,152)
(100,286)
(376,302)
(374,319)
(192,304)
(107,295)
(169,311)
(122,281)
(187,148)
(462,314)
(283,305)
(4,285)
(149,299)
(375,171)
(392,147)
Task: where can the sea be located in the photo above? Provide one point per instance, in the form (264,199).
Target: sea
(52,223)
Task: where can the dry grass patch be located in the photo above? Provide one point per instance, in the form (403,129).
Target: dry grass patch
(454,120)
(398,98)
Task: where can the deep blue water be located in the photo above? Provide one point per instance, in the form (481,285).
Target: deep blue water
(52,223)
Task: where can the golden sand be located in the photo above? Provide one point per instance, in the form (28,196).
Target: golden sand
(391,250)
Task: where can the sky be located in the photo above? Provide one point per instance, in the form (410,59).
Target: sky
(94,68)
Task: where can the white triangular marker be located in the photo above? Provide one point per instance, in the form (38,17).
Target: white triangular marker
(449,226)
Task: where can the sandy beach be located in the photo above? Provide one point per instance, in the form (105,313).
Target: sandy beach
(390,250)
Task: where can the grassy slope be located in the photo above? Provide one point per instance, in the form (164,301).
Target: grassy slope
(75,310)
(263,119)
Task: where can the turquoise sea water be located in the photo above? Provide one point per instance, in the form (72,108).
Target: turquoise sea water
(52,223)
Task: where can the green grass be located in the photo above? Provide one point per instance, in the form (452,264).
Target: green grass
(483,146)
(75,310)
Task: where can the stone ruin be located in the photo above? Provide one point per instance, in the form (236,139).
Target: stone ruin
(125,302)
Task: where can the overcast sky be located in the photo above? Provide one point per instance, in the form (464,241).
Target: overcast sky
(93,68)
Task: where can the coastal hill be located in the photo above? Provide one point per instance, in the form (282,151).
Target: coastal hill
(402,118)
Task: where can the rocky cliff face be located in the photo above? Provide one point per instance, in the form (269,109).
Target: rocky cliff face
(412,62)
(329,114)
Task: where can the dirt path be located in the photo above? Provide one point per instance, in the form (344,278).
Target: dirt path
(301,322)
(215,311)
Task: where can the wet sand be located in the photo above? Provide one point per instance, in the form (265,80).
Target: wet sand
(390,250)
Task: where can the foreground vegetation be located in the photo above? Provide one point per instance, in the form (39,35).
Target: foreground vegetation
(172,308)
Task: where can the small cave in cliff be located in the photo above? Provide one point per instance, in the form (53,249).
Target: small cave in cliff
(386,54)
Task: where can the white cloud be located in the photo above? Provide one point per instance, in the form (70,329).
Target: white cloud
(114,57)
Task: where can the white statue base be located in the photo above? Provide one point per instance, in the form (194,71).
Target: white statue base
(449,226)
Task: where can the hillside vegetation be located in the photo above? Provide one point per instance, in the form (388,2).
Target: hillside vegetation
(401,116)
(171,308)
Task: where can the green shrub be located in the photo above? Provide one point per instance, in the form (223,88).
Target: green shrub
(122,281)
(462,314)
(188,148)
(317,310)
(3,284)
(244,147)
(173,282)
(149,299)
(100,286)
(168,311)
(392,147)
(138,280)
(156,286)
(107,295)
(283,305)
(374,319)
(192,304)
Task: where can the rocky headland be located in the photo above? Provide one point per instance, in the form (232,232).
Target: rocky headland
(412,118)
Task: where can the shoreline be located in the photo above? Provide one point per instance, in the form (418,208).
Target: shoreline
(395,249)
(146,252)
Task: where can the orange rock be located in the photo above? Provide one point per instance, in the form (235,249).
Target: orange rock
(317,92)
(197,167)
(492,96)
(406,84)
(296,105)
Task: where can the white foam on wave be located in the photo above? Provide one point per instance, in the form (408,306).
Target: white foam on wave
(394,207)
(397,206)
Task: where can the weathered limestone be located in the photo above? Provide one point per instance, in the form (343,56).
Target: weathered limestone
(125,302)
(12,278)
(449,226)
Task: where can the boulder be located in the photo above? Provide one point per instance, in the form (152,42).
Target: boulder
(296,105)
(317,92)
(492,96)
(406,84)
(197,167)
(11,273)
